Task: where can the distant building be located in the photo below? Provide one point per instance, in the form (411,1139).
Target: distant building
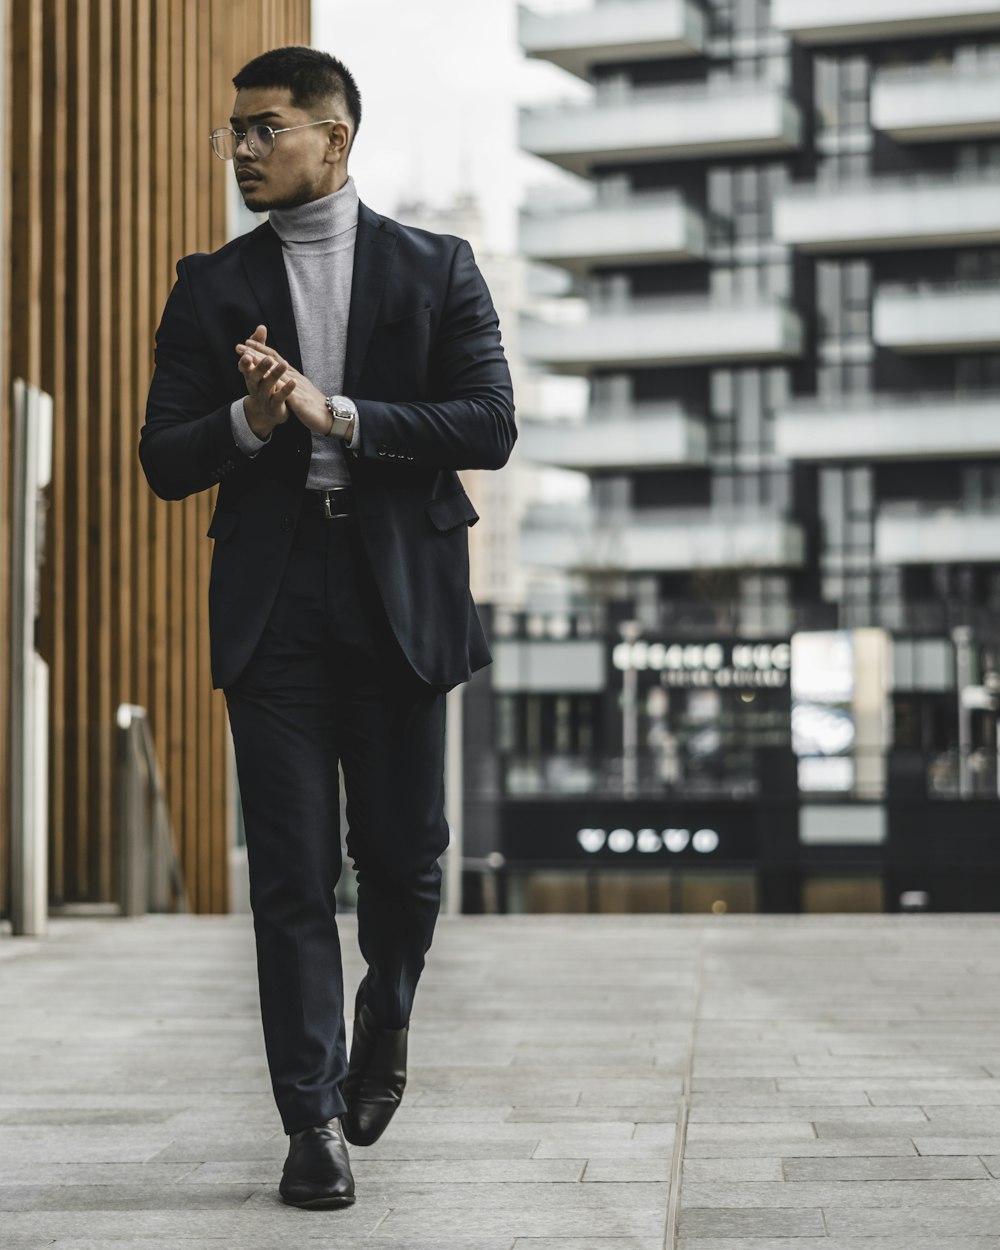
(785,225)
(497,574)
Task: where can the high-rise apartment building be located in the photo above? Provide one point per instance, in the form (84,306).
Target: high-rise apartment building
(784,219)
(791,251)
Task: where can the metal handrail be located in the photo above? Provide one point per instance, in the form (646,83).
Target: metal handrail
(887,399)
(643,93)
(960,508)
(151,877)
(644,305)
(850,183)
(621,413)
(956,286)
(564,204)
(935,73)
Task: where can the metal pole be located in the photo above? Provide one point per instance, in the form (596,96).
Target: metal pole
(31,463)
(630,631)
(962,638)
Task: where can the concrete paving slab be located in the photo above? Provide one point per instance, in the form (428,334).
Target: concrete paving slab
(866,1168)
(836,1086)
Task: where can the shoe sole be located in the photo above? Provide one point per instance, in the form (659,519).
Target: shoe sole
(362,1139)
(318,1204)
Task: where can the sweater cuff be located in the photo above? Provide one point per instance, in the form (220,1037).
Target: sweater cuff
(246,440)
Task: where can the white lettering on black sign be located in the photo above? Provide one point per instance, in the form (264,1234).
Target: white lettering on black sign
(694,664)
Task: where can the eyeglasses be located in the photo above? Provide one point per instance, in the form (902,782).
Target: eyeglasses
(260,139)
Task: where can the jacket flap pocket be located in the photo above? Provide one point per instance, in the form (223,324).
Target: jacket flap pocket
(452,510)
(223,524)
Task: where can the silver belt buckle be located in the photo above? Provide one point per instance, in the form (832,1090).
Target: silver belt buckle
(332,516)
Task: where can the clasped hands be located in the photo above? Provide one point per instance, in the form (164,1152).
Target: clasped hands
(275,390)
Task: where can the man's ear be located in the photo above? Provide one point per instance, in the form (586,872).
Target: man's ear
(334,150)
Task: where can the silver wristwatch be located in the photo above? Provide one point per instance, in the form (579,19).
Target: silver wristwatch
(344,415)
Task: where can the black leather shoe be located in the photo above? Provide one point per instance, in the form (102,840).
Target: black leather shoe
(317,1172)
(376,1076)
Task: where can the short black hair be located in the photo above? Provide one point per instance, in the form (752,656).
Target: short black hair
(311,76)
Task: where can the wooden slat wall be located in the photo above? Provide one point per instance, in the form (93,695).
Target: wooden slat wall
(109,180)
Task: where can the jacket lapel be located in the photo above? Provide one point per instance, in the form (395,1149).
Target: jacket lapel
(265,270)
(373,250)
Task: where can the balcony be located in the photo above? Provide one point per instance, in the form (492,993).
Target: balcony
(935,534)
(883,214)
(850,21)
(955,317)
(643,228)
(583,540)
(612,31)
(663,123)
(924,105)
(665,332)
(647,436)
(889,427)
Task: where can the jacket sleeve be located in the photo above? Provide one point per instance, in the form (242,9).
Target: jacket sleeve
(187,443)
(471,425)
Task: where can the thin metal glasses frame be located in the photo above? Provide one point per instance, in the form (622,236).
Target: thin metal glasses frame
(240,135)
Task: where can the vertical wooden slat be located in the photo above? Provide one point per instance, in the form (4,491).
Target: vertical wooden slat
(84,206)
(108,181)
(103,484)
(125,114)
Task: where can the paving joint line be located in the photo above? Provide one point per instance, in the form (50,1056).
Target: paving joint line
(680,1132)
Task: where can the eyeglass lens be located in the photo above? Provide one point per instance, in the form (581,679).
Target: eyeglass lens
(225,142)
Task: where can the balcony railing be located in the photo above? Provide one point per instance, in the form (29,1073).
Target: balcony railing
(663,123)
(642,227)
(646,436)
(578,37)
(849,21)
(586,539)
(932,103)
(938,317)
(935,533)
(888,212)
(666,332)
(889,427)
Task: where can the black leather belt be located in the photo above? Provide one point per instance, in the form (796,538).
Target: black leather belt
(329,504)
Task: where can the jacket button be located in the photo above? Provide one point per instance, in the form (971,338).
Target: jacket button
(286,523)
(381,449)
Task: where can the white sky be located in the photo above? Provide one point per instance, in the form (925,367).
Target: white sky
(440,84)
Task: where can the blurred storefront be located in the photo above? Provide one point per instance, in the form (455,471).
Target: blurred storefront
(611,769)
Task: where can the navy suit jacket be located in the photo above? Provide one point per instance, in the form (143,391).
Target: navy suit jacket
(425,366)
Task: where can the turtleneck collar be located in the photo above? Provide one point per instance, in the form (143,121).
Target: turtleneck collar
(324,218)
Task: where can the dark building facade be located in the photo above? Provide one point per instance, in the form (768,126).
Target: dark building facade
(787,234)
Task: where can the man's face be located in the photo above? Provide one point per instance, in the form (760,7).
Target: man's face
(299,169)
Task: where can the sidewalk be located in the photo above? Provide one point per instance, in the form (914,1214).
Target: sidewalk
(808,1081)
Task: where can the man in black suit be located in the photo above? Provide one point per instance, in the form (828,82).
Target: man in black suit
(330,371)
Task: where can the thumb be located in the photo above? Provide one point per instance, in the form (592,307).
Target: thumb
(260,334)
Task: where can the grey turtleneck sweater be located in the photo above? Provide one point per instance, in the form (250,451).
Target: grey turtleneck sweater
(317,243)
